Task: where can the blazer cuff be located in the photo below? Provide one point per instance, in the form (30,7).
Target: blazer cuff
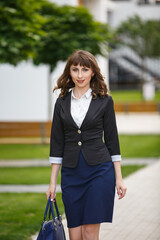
(57,160)
(116,158)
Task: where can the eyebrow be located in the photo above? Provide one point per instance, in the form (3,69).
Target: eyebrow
(77,67)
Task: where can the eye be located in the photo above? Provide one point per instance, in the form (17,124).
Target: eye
(85,69)
(74,69)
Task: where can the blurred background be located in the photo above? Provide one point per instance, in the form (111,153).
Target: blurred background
(36,38)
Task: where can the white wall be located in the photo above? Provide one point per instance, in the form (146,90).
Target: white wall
(126,9)
(23,93)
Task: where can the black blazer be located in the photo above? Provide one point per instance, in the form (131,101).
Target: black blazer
(67,139)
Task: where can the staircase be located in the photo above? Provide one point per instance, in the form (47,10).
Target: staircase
(130,62)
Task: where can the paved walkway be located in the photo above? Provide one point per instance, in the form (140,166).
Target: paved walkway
(137,216)
(41,188)
(37,188)
(45,162)
(138,123)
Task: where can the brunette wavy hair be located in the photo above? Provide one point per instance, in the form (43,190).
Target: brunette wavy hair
(83,58)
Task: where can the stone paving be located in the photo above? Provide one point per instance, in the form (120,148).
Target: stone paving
(37,188)
(138,123)
(45,162)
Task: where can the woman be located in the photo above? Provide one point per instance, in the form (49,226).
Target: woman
(90,166)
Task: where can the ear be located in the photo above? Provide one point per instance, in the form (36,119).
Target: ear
(92,74)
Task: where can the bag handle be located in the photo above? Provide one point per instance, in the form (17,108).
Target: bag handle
(49,203)
(51,210)
(57,211)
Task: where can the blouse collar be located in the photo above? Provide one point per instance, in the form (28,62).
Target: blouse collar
(86,94)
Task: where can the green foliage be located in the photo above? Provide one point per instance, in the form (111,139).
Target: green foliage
(20,29)
(68,29)
(47,33)
(141,36)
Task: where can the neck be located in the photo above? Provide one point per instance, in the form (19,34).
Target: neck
(78,92)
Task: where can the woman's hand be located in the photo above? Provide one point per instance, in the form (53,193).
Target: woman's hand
(51,191)
(121,188)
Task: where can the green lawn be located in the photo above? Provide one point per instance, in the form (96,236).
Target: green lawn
(131,95)
(140,146)
(41,175)
(27,175)
(131,146)
(22,214)
(127,170)
(24,151)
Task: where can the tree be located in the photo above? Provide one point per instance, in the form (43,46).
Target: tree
(20,29)
(142,37)
(68,29)
(47,33)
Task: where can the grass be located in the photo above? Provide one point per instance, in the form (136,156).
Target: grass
(41,175)
(131,146)
(22,214)
(24,151)
(135,146)
(127,170)
(26,175)
(131,96)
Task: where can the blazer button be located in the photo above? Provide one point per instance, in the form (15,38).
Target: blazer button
(79,143)
(79,131)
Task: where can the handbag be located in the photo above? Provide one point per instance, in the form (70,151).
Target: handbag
(51,229)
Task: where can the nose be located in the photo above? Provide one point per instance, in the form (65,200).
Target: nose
(79,74)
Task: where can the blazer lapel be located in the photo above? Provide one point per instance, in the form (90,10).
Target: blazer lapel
(67,108)
(93,108)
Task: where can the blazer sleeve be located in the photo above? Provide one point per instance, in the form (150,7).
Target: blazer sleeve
(110,131)
(57,137)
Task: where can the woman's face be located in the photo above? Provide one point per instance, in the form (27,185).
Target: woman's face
(81,76)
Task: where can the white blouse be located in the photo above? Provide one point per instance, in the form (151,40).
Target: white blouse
(79,108)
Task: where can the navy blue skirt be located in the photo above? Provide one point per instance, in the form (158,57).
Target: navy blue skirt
(88,193)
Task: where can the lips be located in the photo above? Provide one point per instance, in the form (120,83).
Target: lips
(80,81)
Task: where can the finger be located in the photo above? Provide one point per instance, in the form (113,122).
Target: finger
(52,196)
(123,193)
(47,194)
